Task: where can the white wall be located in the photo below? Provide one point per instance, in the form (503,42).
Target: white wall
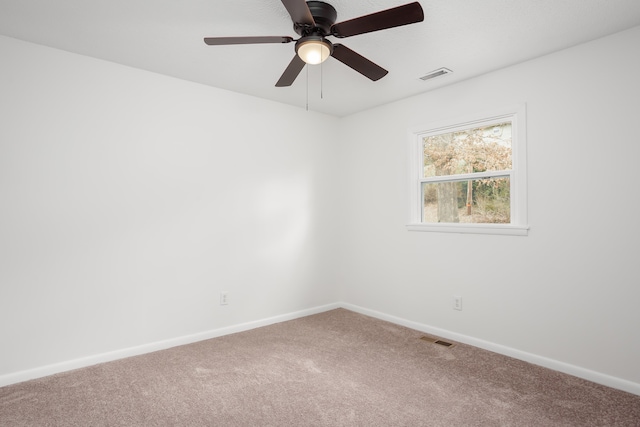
(130,200)
(569,291)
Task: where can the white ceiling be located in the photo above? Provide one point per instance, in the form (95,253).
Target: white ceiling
(166,37)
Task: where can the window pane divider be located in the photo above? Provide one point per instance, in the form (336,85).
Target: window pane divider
(467,176)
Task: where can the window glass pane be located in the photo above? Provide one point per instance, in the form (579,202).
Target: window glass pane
(472,150)
(478,201)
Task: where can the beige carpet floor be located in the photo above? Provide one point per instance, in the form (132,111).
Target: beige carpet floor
(337,368)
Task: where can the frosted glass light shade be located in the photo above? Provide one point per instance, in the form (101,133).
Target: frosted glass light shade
(313,52)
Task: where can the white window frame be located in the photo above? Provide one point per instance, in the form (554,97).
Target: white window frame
(517,175)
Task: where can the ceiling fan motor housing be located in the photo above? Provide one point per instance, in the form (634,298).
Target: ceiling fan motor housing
(324,16)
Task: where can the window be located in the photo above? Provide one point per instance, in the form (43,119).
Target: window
(469,175)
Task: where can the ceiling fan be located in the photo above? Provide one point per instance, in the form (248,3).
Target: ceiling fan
(314,21)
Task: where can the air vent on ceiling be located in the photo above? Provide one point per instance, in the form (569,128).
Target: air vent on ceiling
(437,73)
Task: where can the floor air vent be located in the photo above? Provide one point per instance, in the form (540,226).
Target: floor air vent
(436,341)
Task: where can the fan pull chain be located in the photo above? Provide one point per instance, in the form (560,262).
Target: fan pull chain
(321,80)
(307,67)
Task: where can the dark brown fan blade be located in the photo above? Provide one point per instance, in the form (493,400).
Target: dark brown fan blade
(214,41)
(293,69)
(394,17)
(358,62)
(299,11)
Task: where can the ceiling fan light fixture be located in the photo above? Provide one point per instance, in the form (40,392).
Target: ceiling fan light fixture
(313,49)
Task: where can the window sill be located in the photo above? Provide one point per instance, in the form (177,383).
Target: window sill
(500,229)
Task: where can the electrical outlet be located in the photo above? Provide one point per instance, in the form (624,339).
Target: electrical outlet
(457,302)
(224,298)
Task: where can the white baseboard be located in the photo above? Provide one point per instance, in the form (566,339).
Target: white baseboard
(576,371)
(56,368)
